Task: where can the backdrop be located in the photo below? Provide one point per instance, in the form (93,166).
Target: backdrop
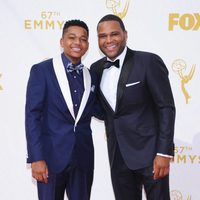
(30,32)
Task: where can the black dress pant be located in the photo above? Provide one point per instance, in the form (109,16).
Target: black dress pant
(128,184)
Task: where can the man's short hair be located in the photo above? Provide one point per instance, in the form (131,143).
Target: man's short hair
(75,22)
(111,17)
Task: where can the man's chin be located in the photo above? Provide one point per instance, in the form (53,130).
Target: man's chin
(109,54)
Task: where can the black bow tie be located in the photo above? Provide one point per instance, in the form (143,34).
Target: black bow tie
(108,64)
(77,68)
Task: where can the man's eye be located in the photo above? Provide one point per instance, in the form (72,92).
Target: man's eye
(83,39)
(102,36)
(115,34)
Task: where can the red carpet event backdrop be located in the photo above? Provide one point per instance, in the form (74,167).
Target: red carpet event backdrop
(30,32)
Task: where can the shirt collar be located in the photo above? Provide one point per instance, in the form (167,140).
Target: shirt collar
(66,61)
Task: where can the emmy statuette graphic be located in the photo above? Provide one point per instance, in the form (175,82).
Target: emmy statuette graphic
(178,66)
(115,4)
(176,195)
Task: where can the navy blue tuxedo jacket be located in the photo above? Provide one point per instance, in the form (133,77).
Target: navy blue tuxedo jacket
(52,131)
(143,122)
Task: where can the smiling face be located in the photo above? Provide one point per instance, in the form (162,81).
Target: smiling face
(112,39)
(75,43)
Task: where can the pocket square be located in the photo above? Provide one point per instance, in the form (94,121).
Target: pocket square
(92,88)
(131,84)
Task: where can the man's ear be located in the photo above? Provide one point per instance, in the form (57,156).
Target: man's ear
(126,35)
(61,42)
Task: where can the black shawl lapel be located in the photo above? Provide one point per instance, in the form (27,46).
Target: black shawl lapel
(126,70)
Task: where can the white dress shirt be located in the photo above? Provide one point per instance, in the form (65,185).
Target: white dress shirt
(110,79)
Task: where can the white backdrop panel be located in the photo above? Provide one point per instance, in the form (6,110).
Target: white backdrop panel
(30,32)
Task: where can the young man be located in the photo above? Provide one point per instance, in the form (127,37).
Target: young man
(136,96)
(59,105)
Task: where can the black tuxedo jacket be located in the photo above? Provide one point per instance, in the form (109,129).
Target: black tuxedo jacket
(143,122)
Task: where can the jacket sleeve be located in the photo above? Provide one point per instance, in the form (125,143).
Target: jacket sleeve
(160,89)
(34,109)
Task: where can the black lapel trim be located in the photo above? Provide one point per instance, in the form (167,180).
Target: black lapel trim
(105,102)
(125,72)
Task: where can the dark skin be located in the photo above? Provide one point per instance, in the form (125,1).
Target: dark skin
(75,44)
(112,41)
(40,171)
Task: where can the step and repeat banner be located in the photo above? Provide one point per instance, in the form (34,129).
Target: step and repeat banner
(31,31)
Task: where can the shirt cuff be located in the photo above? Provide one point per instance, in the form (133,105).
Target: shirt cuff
(164,155)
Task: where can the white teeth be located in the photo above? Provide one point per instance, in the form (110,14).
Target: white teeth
(111,47)
(76,49)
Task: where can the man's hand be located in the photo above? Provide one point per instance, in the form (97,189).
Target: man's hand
(40,171)
(161,167)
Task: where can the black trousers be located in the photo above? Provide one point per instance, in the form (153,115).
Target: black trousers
(72,181)
(128,184)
